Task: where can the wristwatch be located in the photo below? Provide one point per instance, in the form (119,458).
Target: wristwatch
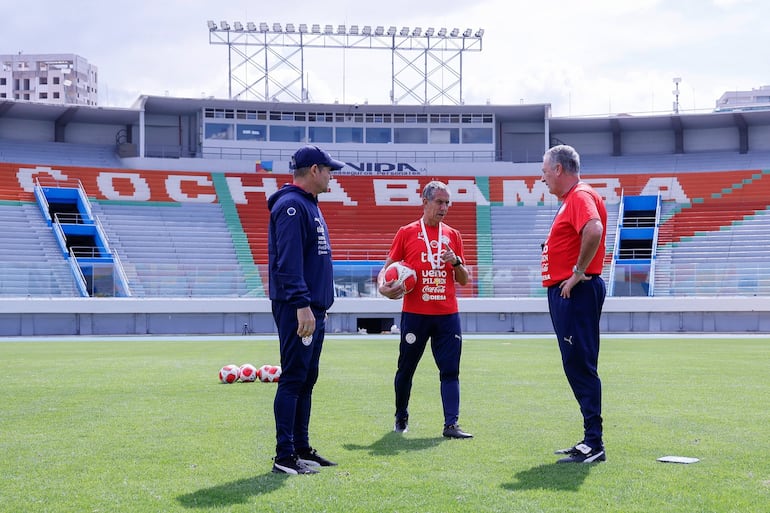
(578,270)
(458,263)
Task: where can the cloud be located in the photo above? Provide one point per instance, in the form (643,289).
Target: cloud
(593,57)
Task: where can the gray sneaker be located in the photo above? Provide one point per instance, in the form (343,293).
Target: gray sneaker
(401,425)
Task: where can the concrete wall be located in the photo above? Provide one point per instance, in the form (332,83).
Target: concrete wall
(180,316)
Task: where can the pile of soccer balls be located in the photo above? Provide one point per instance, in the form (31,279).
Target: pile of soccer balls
(247,373)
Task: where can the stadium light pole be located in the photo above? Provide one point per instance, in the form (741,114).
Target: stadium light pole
(677,80)
(268,47)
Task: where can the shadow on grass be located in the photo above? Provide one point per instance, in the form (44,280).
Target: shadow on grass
(234,492)
(553,476)
(393,443)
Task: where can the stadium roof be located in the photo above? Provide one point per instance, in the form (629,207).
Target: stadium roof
(67,113)
(63,114)
(168,105)
(627,123)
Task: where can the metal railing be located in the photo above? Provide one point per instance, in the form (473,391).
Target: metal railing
(352,156)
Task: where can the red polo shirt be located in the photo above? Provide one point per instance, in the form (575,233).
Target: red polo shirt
(562,247)
(434,293)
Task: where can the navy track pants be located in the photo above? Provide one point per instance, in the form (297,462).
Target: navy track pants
(446,344)
(576,324)
(299,373)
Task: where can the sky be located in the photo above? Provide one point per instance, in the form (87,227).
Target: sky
(597,57)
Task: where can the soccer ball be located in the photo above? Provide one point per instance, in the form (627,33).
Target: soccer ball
(248,373)
(229,374)
(401,273)
(269,373)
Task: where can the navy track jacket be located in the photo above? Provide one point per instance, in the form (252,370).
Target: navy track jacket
(299,253)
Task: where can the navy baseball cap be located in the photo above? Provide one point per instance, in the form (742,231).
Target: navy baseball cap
(309,155)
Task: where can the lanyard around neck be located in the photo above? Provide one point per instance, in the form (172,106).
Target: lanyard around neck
(433,263)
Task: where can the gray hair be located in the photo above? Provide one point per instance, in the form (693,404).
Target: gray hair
(429,192)
(565,155)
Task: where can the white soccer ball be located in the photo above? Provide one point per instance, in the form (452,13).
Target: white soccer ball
(248,373)
(401,273)
(229,374)
(269,373)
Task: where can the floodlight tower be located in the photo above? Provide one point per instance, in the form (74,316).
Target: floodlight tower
(420,61)
(677,81)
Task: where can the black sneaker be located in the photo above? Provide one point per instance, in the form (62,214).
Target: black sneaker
(582,453)
(311,458)
(292,465)
(454,431)
(401,425)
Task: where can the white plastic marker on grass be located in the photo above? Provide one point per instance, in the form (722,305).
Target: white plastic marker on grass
(678,459)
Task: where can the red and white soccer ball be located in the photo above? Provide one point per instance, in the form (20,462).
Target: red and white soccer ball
(401,273)
(229,374)
(269,373)
(248,373)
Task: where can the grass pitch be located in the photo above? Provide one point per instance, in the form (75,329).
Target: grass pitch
(144,426)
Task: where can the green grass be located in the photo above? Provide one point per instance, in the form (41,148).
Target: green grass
(144,426)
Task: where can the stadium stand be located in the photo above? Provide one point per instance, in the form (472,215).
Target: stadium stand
(173,249)
(192,249)
(32,263)
(715,205)
(729,259)
(677,163)
(518,232)
(59,154)
(191,232)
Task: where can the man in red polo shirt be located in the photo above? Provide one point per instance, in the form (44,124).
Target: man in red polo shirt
(435,251)
(571,265)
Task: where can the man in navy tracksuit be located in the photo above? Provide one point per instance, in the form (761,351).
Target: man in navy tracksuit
(301,290)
